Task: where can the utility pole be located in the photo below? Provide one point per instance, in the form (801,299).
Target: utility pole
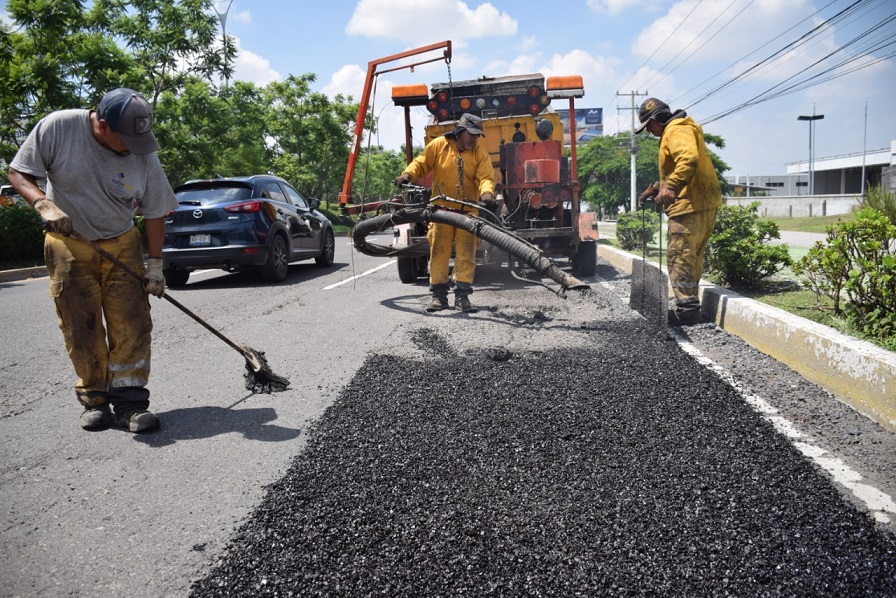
(634,191)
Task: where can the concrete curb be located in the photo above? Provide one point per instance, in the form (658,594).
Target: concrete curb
(858,373)
(22,273)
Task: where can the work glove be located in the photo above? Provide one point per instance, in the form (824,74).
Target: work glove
(667,196)
(55,220)
(155,279)
(487,201)
(402,179)
(648,193)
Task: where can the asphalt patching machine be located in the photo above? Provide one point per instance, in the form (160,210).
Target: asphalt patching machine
(537,217)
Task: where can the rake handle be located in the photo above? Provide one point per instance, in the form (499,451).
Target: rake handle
(170,299)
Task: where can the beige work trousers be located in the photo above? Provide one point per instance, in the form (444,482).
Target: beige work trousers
(104,315)
(688,236)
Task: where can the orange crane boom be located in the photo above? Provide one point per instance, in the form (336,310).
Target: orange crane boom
(372,72)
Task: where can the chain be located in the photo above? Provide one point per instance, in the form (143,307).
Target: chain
(460,158)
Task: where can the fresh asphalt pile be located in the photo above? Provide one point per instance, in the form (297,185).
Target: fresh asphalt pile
(618,468)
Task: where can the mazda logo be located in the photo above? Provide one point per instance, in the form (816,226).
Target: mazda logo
(197,213)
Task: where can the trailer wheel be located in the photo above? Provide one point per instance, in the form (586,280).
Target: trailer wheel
(586,258)
(410,269)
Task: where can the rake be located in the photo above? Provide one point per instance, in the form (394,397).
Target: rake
(259,377)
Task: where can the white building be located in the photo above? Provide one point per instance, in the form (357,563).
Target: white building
(836,175)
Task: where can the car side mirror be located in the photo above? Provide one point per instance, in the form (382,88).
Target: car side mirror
(314,203)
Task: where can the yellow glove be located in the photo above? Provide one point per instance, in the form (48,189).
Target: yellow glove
(155,279)
(55,220)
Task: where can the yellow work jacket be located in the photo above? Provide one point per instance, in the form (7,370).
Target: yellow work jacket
(686,167)
(440,157)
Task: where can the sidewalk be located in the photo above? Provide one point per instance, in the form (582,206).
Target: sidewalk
(22,273)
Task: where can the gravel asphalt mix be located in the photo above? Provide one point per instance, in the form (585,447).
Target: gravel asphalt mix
(616,467)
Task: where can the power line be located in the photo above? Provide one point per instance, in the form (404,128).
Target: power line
(747,56)
(824,28)
(722,28)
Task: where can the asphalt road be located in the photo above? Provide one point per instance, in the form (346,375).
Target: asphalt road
(538,447)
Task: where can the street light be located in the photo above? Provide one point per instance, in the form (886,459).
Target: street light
(222,16)
(811,120)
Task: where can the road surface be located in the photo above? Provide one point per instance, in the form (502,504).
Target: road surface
(539,447)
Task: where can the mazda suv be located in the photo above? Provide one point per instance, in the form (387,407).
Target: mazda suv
(249,222)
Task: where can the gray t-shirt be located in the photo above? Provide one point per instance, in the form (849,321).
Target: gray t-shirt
(98,189)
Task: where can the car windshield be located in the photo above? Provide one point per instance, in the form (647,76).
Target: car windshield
(213,195)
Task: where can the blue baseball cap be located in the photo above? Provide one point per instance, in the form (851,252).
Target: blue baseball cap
(130,116)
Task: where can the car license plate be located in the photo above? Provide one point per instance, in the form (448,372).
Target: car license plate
(200,240)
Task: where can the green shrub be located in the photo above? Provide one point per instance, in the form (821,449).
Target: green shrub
(882,200)
(858,261)
(21,235)
(738,253)
(635,230)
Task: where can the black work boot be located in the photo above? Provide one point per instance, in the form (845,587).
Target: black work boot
(439,297)
(463,304)
(685,313)
(462,298)
(437,304)
(96,418)
(131,407)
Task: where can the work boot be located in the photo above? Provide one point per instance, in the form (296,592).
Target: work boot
(685,313)
(437,304)
(463,304)
(96,418)
(137,419)
(439,297)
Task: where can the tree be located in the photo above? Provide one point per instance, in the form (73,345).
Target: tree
(204,133)
(170,42)
(310,133)
(604,166)
(54,60)
(376,170)
(61,55)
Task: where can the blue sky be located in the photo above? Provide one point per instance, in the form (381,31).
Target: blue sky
(678,51)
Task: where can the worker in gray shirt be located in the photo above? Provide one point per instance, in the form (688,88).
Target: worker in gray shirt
(101,170)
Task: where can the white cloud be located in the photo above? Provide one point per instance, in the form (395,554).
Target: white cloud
(251,67)
(712,30)
(613,7)
(420,22)
(243,17)
(348,80)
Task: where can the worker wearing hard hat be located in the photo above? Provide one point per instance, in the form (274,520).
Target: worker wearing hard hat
(690,194)
(462,170)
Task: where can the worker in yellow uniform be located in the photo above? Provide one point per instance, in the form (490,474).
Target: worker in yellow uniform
(462,170)
(690,195)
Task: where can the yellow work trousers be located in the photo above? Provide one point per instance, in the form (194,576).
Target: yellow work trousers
(688,236)
(104,316)
(441,237)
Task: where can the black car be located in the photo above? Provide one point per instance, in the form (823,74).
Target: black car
(235,223)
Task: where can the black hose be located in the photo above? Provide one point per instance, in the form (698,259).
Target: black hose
(516,247)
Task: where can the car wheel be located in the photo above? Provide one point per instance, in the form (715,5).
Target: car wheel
(176,278)
(277,267)
(328,251)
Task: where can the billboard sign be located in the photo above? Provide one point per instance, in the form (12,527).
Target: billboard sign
(589,124)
